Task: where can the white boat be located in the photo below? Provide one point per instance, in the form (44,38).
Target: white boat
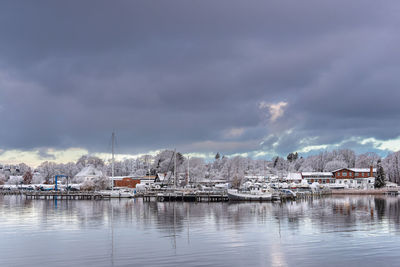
(235,195)
(122,194)
(288,193)
(118,193)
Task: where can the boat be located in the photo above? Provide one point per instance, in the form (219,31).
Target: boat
(235,195)
(122,194)
(287,193)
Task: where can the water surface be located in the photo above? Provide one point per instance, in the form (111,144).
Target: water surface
(330,231)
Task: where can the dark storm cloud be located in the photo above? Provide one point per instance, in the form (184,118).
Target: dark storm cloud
(191,74)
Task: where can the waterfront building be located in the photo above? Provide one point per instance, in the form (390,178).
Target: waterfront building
(319,177)
(356,177)
(88,173)
(125,181)
(294,177)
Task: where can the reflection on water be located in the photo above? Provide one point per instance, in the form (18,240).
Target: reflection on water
(331,231)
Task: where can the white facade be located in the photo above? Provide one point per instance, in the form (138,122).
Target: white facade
(318,177)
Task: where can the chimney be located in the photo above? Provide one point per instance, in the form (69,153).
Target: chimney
(371,171)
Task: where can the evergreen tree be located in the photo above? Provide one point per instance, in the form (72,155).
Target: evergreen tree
(380,176)
(217,156)
(292,157)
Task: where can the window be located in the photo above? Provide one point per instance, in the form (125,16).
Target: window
(357,174)
(344,174)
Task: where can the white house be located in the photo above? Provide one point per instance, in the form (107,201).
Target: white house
(88,173)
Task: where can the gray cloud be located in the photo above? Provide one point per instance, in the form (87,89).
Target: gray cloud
(182,74)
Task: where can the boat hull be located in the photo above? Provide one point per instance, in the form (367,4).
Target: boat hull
(236,196)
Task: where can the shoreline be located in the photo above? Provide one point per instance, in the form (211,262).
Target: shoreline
(384,191)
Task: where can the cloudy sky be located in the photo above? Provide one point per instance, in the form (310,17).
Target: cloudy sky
(257,78)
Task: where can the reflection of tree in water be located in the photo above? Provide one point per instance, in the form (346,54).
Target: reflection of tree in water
(380,207)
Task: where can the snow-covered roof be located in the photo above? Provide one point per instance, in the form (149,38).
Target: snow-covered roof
(89,171)
(317,174)
(254,176)
(362,169)
(294,176)
(122,177)
(356,169)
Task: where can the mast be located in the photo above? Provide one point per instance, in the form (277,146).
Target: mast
(175,180)
(112,162)
(188,175)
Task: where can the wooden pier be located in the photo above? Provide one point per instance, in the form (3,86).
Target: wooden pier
(65,195)
(182,196)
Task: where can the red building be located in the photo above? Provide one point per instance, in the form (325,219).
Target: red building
(126,182)
(354,173)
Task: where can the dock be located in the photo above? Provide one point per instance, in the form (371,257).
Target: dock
(64,195)
(183,196)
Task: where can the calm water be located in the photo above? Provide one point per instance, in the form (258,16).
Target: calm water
(333,231)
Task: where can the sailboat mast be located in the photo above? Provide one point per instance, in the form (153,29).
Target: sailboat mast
(112,162)
(175,180)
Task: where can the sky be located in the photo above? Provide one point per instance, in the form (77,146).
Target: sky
(251,78)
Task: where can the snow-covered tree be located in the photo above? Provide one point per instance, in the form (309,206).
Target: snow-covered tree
(367,159)
(48,170)
(37,178)
(197,169)
(164,161)
(15,180)
(89,160)
(334,165)
(391,165)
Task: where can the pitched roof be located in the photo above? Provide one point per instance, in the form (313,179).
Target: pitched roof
(356,169)
(294,176)
(317,173)
(89,171)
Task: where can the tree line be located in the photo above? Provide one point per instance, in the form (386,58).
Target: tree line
(222,167)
